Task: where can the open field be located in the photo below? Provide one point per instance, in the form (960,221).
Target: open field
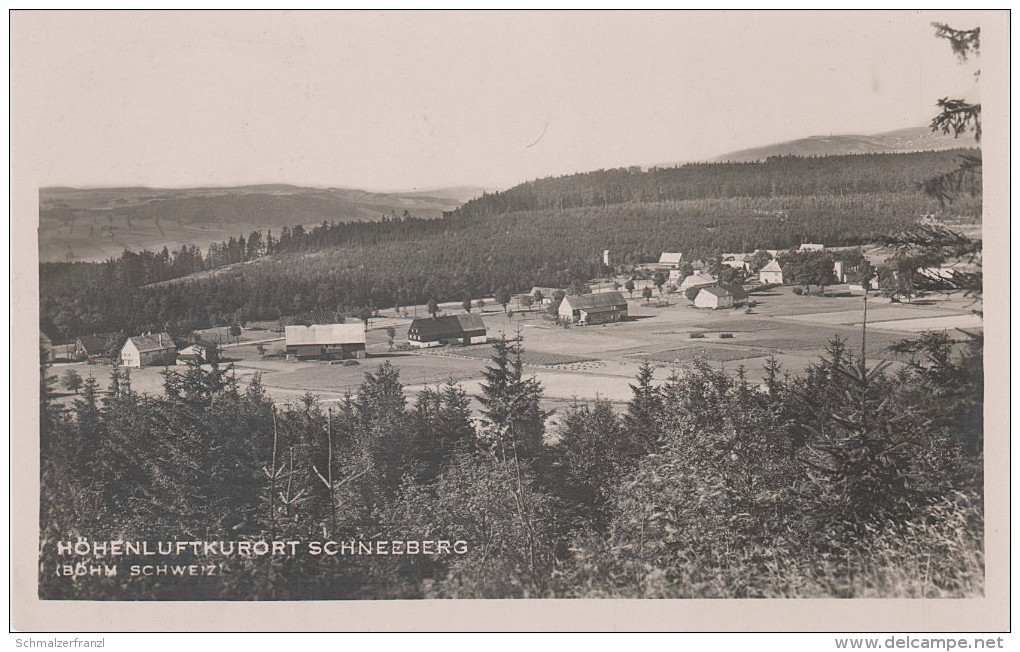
(585,362)
(709,354)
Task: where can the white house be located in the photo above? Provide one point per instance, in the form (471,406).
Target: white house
(809,246)
(713,298)
(145,350)
(771,273)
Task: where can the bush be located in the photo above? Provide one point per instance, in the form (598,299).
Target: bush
(696,336)
(726,336)
(798,291)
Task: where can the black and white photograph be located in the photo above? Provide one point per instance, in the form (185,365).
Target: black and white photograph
(554,307)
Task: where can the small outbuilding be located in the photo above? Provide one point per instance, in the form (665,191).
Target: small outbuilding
(326,341)
(199,351)
(448,329)
(600,308)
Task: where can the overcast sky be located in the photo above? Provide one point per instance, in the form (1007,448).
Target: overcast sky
(401,101)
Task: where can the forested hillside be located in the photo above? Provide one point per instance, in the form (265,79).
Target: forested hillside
(549,232)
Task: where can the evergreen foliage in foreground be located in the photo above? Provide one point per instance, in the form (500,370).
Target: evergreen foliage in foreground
(842,483)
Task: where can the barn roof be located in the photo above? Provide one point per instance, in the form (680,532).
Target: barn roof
(773,266)
(448,325)
(92,343)
(155,342)
(325,334)
(595,301)
(670,258)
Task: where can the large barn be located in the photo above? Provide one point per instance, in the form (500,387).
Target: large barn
(448,329)
(326,341)
(146,350)
(593,308)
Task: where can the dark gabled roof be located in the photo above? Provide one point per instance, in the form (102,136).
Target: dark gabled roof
(596,301)
(448,325)
(93,343)
(737,291)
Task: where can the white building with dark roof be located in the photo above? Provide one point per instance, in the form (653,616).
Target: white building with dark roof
(598,308)
(714,297)
(147,350)
(326,341)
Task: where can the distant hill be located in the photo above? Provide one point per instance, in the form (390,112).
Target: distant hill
(91,224)
(915,139)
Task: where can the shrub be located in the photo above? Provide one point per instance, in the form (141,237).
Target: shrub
(798,291)
(726,336)
(696,336)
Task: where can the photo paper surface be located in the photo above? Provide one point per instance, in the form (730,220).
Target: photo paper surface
(640,320)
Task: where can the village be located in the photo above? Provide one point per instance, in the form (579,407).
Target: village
(581,342)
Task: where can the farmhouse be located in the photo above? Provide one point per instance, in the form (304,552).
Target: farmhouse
(696,281)
(448,329)
(714,297)
(326,341)
(145,350)
(771,273)
(89,346)
(593,308)
(669,259)
(810,246)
